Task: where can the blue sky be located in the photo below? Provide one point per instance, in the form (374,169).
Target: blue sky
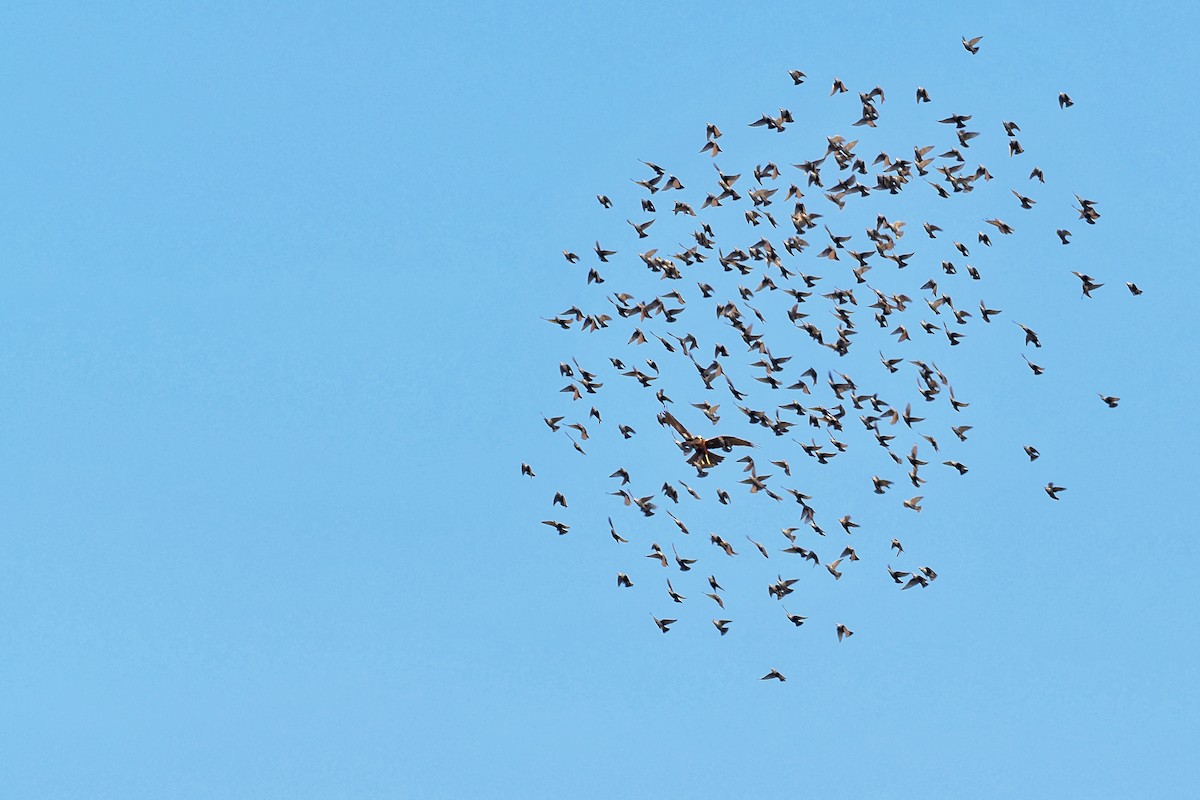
(271,289)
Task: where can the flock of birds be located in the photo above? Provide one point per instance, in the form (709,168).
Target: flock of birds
(763,268)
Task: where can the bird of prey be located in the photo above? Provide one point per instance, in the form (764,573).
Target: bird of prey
(701,449)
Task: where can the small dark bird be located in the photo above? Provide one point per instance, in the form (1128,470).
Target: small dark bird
(1133,289)
(972,45)
(722,625)
(795,619)
(843,632)
(1064,100)
(773,674)
(797,76)
(899,548)
(922,95)
(1053,490)
(604,201)
(560,527)
(526,469)
(663,624)
(676,596)
(1032,452)
(623,580)
(1111,402)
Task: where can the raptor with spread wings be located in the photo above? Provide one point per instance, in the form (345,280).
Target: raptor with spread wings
(701,449)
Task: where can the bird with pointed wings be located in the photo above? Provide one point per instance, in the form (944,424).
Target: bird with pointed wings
(702,455)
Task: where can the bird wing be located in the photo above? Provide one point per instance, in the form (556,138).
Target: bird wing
(668,419)
(727,441)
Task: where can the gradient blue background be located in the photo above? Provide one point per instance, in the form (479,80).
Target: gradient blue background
(270,282)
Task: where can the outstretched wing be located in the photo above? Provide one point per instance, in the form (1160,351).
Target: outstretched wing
(667,419)
(726,442)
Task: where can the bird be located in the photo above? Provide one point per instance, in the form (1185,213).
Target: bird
(722,625)
(1053,490)
(676,596)
(774,674)
(795,619)
(623,580)
(797,76)
(526,469)
(971,46)
(843,632)
(1032,452)
(663,624)
(701,455)
(1133,289)
(1064,100)
(1108,400)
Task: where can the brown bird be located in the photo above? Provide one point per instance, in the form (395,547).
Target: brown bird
(560,527)
(761,549)
(658,554)
(795,619)
(922,95)
(913,503)
(1109,401)
(559,500)
(843,632)
(722,625)
(526,469)
(797,76)
(701,455)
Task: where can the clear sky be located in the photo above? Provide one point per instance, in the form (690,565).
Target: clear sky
(270,288)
